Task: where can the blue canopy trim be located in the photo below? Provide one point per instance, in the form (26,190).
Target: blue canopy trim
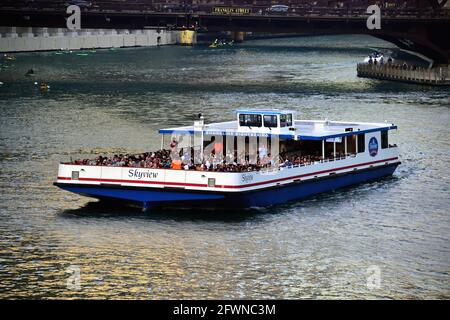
(291,136)
(264,112)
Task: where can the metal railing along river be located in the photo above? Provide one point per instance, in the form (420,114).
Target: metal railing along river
(415,74)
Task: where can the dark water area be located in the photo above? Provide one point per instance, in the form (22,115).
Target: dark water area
(115,101)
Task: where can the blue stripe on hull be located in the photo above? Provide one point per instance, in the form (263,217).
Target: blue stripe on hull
(151,195)
(307,189)
(258,198)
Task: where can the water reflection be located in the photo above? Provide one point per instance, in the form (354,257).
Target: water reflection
(117,210)
(115,101)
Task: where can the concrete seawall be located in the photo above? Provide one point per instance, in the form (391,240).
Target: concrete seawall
(15,39)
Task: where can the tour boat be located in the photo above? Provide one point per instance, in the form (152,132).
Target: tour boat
(262,158)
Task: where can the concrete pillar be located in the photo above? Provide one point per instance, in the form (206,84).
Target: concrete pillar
(103,39)
(61,42)
(74,40)
(128,39)
(28,33)
(12,33)
(89,39)
(4,44)
(238,36)
(141,38)
(42,32)
(115,38)
(58,32)
(188,37)
(151,37)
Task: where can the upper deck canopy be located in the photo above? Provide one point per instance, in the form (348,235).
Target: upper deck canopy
(302,129)
(273,112)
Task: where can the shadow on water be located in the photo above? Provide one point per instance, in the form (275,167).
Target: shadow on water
(118,210)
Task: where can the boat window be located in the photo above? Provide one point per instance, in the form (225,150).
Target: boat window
(75,175)
(252,120)
(361,143)
(285,120)
(270,121)
(282,120)
(384,139)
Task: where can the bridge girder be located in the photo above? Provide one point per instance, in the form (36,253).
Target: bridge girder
(436,4)
(427,35)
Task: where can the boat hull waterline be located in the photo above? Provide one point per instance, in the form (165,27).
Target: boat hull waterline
(273,195)
(263,158)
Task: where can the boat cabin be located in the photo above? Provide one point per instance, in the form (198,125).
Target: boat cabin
(267,152)
(269,121)
(274,136)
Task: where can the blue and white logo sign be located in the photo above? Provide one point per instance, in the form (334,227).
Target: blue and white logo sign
(373,146)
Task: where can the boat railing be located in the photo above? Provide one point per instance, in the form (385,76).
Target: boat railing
(409,73)
(266,170)
(327,160)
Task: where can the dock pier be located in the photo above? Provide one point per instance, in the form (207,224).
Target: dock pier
(438,76)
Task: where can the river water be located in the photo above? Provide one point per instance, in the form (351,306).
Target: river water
(330,246)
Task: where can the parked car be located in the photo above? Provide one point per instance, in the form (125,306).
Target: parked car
(171,7)
(278,8)
(83,4)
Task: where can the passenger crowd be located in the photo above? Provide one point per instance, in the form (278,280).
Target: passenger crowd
(378,59)
(161,159)
(296,160)
(156,160)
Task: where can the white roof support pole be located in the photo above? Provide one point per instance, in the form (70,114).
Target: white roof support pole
(192,147)
(345,145)
(334,149)
(323,149)
(202,158)
(356,141)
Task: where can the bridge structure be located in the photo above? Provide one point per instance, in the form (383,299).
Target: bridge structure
(423,29)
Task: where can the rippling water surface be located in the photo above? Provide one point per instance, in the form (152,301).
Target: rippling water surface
(115,100)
